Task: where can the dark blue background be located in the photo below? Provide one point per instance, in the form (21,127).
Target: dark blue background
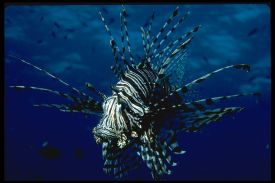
(235,149)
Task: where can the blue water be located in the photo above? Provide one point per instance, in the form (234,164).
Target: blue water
(78,51)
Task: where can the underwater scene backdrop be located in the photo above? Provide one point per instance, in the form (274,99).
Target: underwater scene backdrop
(70,41)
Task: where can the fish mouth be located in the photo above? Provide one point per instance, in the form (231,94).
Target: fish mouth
(102,134)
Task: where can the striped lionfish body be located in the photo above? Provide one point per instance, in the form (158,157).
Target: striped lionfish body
(141,118)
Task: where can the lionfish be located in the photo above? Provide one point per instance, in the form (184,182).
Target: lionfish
(141,119)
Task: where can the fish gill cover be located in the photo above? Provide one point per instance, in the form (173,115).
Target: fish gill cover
(173,69)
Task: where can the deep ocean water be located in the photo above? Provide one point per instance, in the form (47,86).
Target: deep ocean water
(70,41)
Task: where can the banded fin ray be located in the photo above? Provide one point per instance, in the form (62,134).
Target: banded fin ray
(197,120)
(185,88)
(155,155)
(127,34)
(177,41)
(169,141)
(94,90)
(52,76)
(145,45)
(163,150)
(67,108)
(169,21)
(119,162)
(122,34)
(173,54)
(148,33)
(114,47)
(89,107)
(245,67)
(68,96)
(202,103)
(172,30)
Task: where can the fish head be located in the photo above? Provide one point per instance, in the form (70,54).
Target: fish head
(107,130)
